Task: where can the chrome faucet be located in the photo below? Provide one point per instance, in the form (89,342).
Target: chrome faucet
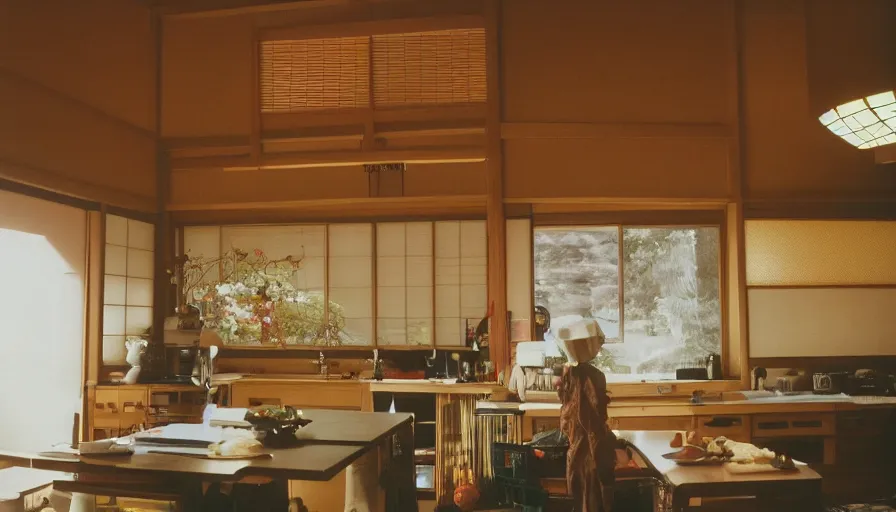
(322,361)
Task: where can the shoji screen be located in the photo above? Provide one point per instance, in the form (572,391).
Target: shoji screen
(461,279)
(821,288)
(128,284)
(404,283)
(350,279)
(305,241)
(42,268)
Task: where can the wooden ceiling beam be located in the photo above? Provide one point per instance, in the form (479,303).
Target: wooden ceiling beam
(371,28)
(300,160)
(349,10)
(218,8)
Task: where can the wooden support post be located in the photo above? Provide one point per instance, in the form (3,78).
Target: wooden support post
(499,345)
(93,343)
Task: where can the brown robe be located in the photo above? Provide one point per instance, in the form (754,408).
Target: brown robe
(591,459)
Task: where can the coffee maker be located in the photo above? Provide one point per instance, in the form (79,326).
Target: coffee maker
(181,350)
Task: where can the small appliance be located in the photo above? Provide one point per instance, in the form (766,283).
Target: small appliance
(871,383)
(793,380)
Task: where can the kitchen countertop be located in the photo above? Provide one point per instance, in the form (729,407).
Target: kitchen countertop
(683,407)
(389,385)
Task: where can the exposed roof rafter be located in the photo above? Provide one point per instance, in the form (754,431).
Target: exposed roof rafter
(213,8)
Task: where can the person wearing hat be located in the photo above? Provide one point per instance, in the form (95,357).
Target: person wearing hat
(591,459)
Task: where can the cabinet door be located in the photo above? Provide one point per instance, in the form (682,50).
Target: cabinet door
(106,409)
(652,423)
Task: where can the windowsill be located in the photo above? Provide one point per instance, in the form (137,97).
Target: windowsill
(671,388)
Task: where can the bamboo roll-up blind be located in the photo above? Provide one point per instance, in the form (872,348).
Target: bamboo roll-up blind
(429,68)
(315,74)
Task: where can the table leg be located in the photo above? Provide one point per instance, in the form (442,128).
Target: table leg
(680,501)
(399,479)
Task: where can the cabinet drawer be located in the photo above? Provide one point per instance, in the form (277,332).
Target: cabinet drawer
(324,395)
(652,423)
(736,428)
(787,425)
(132,397)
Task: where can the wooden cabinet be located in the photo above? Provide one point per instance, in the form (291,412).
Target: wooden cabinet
(119,409)
(534,425)
(794,425)
(652,423)
(734,427)
(809,437)
(299,394)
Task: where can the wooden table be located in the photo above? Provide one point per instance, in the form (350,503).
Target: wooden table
(333,441)
(800,488)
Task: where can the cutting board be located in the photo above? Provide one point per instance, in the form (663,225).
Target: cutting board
(744,469)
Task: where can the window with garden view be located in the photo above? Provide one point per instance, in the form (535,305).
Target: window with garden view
(653,290)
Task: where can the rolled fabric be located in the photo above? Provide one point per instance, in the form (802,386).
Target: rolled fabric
(362,484)
(72,502)
(238,447)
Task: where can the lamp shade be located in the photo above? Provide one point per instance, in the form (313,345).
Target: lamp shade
(866,122)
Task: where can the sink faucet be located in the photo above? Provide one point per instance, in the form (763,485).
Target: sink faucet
(322,361)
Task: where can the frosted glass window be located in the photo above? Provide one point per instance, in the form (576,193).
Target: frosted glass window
(203,242)
(825,252)
(128,284)
(461,266)
(404,283)
(350,280)
(305,241)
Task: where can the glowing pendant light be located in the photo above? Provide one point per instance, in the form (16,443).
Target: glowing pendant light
(865,123)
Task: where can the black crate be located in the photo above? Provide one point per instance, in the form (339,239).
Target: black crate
(515,464)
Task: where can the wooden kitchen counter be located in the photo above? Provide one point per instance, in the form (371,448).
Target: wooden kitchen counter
(628,408)
(388,385)
(426,386)
(312,391)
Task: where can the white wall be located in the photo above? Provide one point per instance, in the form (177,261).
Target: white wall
(42,276)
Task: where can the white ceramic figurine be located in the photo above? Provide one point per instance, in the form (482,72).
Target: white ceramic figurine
(136,347)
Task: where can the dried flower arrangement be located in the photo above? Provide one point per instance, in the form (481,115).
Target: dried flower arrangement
(253,300)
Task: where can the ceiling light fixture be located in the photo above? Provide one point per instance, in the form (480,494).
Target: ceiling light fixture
(865,123)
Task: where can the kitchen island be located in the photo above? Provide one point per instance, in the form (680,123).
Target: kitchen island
(446,440)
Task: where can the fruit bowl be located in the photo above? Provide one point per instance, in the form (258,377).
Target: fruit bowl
(276,425)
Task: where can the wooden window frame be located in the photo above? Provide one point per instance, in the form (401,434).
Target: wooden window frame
(659,219)
(327,222)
